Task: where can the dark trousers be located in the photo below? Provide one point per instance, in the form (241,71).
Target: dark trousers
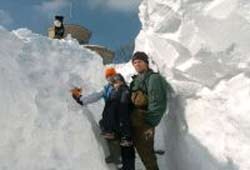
(117,119)
(128,158)
(109,120)
(124,120)
(127,154)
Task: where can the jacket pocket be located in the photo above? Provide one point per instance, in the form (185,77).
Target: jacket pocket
(139,99)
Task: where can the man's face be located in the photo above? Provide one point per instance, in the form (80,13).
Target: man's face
(140,66)
(57,23)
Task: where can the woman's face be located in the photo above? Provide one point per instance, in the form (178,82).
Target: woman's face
(117,84)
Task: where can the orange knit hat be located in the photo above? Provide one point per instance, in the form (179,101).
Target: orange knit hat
(110,71)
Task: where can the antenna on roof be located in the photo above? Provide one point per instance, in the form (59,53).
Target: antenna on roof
(70,9)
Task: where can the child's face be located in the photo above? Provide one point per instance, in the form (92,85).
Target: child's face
(109,79)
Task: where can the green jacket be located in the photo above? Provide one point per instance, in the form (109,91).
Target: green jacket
(154,86)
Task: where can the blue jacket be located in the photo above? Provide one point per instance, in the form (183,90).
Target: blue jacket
(105,93)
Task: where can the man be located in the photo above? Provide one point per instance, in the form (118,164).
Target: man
(58,27)
(148,95)
(105,93)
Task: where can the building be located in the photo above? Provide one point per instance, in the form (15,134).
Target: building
(83,36)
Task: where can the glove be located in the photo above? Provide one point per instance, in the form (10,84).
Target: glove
(76,94)
(76,91)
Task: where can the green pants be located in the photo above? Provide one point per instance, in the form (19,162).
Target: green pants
(115,150)
(143,145)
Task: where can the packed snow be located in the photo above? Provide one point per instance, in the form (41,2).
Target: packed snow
(41,127)
(202,48)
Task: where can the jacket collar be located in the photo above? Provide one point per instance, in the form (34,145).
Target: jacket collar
(143,75)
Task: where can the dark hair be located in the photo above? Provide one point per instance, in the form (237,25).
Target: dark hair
(59,18)
(140,56)
(118,76)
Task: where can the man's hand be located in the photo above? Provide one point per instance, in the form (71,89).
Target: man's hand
(149,133)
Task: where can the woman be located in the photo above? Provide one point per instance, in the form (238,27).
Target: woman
(120,100)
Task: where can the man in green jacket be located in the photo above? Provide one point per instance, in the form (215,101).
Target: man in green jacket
(148,95)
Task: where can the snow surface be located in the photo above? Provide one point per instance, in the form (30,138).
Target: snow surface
(202,48)
(41,127)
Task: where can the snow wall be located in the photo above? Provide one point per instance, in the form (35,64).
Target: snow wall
(41,127)
(202,48)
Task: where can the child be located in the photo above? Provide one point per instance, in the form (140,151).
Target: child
(104,93)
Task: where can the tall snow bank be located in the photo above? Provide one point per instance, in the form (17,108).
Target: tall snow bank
(41,126)
(202,48)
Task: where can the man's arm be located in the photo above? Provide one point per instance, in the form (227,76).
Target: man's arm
(156,100)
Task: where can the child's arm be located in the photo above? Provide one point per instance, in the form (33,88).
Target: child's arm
(86,99)
(91,98)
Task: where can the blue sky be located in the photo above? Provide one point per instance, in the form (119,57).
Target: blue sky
(112,22)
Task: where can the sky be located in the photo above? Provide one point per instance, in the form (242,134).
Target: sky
(113,23)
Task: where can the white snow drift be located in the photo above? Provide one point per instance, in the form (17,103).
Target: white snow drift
(41,127)
(202,47)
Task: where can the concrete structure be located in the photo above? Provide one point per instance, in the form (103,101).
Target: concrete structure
(78,32)
(107,54)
